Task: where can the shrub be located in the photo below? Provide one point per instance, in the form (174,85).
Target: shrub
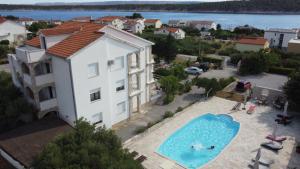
(179,109)
(281,70)
(292,90)
(225,82)
(169,84)
(235,58)
(168,114)
(228,51)
(4,42)
(168,98)
(163,72)
(178,71)
(212,60)
(252,64)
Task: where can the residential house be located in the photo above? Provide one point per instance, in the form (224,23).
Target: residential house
(88,70)
(134,26)
(156,23)
(177,33)
(279,38)
(26,21)
(116,21)
(254,44)
(203,25)
(82,19)
(294,46)
(178,23)
(12,31)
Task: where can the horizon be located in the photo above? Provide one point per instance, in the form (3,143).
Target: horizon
(87,1)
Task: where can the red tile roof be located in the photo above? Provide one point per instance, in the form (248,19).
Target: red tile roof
(60,31)
(253,41)
(110,18)
(2,19)
(151,20)
(72,44)
(173,30)
(35,42)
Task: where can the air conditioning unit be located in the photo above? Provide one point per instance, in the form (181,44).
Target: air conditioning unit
(110,62)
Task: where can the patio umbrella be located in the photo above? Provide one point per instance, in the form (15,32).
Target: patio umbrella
(285,109)
(256,163)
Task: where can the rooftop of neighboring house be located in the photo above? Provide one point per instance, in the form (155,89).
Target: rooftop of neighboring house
(172,30)
(253,41)
(283,30)
(25,143)
(4,164)
(110,18)
(151,20)
(2,19)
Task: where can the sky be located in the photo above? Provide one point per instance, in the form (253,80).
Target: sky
(41,1)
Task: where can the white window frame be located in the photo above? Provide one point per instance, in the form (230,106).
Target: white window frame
(122,63)
(118,85)
(124,108)
(100,114)
(97,71)
(93,92)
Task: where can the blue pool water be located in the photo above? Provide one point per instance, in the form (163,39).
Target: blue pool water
(203,132)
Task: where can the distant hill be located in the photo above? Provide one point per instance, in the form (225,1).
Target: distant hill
(243,6)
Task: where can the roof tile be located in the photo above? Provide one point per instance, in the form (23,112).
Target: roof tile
(253,41)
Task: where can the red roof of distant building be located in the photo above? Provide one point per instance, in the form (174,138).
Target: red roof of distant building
(67,47)
(2,19)
(253,41)
(60,31)
(151,20)
(109,18)
(35,42)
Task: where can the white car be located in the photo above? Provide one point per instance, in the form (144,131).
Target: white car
(193,70)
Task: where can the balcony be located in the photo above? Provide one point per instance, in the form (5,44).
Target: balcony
(29,54)
(39,80)
(48,104)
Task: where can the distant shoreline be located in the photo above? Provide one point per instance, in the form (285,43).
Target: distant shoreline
(171,11)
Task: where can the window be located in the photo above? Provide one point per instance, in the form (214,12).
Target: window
(95,95)
(121,108)
(119,63)
(120,85)
(93,70)
(97,118)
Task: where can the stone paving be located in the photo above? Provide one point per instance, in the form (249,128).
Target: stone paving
(238,154)
(153,113)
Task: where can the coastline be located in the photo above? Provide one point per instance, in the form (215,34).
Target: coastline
(171,11)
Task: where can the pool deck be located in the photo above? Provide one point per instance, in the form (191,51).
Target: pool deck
(239,152)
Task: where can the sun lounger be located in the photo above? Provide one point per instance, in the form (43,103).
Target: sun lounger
(251,165)
(236,107)
(251,109)
(276,138)
(264,161)
(283,121)
(141,158)
(272,146)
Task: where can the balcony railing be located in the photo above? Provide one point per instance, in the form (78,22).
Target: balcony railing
(44,79)
(48,104)
(29,55)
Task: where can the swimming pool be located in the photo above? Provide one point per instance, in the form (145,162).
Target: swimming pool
(189,146)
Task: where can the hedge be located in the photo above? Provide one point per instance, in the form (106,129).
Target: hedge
(281,70)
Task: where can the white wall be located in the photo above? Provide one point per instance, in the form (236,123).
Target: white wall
(52,40)
(14,29)
(273,38)
(64,92)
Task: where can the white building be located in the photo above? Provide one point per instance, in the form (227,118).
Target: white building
(116,21)
(177,33)
(279,38)
(134,26)
(88,70)
(178,23)
(12,31)
(155,23)
(200,25)
(26,21)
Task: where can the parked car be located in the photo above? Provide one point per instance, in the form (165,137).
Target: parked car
(242,86)
(193,70)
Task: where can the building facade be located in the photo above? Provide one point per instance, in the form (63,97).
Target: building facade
(177,33)
(279,38)
(87,70)
(156,23)
(294,46)
(12,31)
(116,21)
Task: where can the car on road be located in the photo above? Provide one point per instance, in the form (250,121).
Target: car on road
(193,70)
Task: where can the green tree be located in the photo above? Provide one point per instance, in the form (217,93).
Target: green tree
(252,63)
(178,71)
(135,16)
(170,50)
(219,27)
(169,84)
(87,148)
(292,90)
(35,27)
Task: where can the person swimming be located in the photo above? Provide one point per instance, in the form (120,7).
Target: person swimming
(211,148)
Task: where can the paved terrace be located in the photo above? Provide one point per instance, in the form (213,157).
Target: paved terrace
(238,154)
